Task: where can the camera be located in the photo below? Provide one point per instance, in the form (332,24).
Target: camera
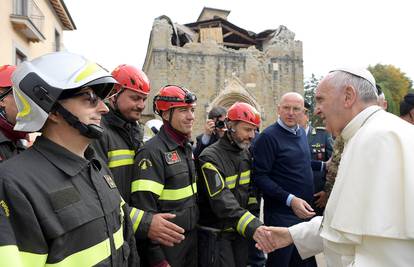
(220,124)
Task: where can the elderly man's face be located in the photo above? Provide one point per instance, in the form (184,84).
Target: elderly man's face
(329,107)
(290,110)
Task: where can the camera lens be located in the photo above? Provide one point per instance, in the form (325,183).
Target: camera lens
(220,124)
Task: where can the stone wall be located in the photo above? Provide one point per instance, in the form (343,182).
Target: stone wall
(220,75)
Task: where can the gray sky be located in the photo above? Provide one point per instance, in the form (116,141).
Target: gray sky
(334,33)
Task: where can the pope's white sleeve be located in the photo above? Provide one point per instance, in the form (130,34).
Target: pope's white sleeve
(306,237)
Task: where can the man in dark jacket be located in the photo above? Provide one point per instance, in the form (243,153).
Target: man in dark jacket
(121,140)
(58,203)
(226,224)
(213,129)
(10,140)
(166,176)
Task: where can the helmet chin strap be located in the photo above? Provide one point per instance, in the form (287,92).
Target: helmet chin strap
(91,131)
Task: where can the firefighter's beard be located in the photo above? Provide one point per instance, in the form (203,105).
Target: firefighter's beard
(243,144)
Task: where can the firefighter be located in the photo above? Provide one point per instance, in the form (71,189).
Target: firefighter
(121,139)
(226,224)
(166,176)
(10,140)
(59,206)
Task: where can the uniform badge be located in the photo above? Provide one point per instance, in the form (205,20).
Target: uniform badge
(172,157)
(109,181)
(144,164)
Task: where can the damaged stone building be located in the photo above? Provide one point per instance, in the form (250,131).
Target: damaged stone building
(223,63)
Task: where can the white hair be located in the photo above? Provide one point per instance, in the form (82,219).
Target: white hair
(365,89)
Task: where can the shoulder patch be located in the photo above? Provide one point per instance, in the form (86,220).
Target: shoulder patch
(144,164)
(172,157)
(5,208)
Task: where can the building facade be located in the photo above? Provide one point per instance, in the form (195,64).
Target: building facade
(223,63)
(30,28)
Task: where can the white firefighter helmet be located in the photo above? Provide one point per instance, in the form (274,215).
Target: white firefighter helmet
(151,128)
(38,84)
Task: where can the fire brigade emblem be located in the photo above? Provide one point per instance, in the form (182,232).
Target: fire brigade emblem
(109,181)
(172,157)
(144,164)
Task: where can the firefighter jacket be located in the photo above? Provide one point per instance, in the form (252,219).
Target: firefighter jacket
(8,148)
(58,209)
(166,182)
(224,188)
(117,147)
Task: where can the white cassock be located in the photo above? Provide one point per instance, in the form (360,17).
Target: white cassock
(369,218)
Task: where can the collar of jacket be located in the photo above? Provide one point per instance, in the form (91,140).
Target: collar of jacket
(171,143)
(117,120)
(62,158)
(227,142)
(179,138)
(9,134)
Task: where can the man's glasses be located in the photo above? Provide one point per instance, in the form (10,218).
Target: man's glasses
(6,93)
(91,97)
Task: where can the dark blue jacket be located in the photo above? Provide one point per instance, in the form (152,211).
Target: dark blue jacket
(282,166)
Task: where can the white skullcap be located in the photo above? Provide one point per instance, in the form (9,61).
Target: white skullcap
(362,73)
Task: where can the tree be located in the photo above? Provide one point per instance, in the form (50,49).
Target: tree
(394,82)
(310,88)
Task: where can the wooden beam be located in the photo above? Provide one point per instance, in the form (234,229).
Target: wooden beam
(239,34)
(237,45)
(228,34)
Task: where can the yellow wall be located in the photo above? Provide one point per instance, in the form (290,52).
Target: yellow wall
(11,39)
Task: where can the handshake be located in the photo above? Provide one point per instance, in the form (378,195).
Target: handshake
(269,238)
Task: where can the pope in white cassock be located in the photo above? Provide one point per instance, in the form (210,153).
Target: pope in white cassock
(369,218)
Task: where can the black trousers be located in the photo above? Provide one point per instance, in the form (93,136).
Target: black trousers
(185,253)
(221,249)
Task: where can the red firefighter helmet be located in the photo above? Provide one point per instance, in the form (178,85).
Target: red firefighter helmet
(173,96)
(131,78)
(244,112)
(6,72)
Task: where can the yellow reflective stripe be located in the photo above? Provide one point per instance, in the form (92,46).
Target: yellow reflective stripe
(26,106)
(243,222)
(121,152)
(136,217)
(122,162)
(147,185)
(121,157)
(252,200)
(93,255)
(11,256)
(210,166)
(119,237)
(244,179)
(90,69)
(177,194)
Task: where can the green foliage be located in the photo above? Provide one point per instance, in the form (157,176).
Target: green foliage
(310,87)
(393,82)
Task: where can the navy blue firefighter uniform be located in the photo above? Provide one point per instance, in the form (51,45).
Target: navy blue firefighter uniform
(166,182)
(62,210)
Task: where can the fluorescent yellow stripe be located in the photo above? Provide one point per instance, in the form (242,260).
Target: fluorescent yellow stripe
(90,69)
(252,200)
(136,219)
(243,222)
(177,194)
(93,255)
(121,152)
(11,256)
(26,106)
(119,238)
(121,162)
(147,185)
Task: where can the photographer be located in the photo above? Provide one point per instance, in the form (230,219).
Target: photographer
(213,129)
